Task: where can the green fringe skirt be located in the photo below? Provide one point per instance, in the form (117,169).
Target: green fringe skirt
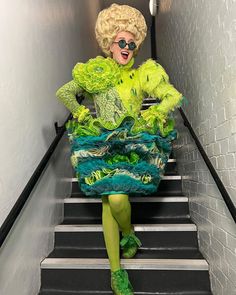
(118,161)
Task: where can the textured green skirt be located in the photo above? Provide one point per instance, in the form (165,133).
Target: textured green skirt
(118,161)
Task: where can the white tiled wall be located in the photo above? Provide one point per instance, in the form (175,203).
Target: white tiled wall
(196,42)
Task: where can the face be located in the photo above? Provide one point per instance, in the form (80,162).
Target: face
(122,55)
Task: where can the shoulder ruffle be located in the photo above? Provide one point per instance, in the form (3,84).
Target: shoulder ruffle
(97,75)
(151,74)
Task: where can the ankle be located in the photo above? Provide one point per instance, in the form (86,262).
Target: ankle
(115,269)
(128,231)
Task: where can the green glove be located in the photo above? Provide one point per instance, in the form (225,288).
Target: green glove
(151,115)
(82,114)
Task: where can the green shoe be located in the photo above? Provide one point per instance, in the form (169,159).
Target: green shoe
(130,244)
(120,283)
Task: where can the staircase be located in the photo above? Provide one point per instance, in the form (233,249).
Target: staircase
(168,263)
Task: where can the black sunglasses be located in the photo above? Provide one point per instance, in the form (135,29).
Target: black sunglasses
(122,44)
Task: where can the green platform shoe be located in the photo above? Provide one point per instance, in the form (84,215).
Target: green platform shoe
(130,244)
(120,283)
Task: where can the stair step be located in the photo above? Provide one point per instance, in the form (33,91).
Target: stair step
(134,264)
(146,275)
(168,262)
(153,236)
(169,184)
(170,199)
(171,166)
(154,207)
(142,253)
(174,193)
(58,292)
(135,219)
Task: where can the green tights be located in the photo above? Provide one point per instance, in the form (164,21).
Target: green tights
(116,216)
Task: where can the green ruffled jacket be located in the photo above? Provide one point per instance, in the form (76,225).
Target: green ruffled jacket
(117,92)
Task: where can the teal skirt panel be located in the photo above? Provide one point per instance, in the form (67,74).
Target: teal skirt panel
(119,161)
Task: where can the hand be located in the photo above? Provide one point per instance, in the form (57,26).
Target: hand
(150,116)
(83,114)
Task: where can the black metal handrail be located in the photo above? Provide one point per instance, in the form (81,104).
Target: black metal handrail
(15,211)
(219,183)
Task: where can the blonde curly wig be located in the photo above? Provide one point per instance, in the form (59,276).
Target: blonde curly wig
(118,18)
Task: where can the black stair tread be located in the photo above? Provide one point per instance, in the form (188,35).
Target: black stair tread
(155,236)
(170,173)
(141,208)
(164,281)
(173,193)
(184,220)
(154,195)
(141,254)
(57,292)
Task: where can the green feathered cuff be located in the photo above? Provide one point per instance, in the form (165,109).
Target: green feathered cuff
(82,114)
(157,121)
(151,113)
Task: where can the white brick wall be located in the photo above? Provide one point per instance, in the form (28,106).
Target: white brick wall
(196,42)
(216,228)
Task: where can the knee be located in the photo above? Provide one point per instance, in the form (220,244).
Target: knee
(118,203)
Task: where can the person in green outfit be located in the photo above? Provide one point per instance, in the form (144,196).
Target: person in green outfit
(123,150)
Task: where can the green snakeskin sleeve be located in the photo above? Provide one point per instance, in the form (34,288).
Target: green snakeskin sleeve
(67,95)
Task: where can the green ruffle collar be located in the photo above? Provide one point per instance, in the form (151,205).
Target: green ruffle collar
(127,66)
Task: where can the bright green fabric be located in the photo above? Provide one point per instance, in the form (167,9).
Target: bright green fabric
(120,283)
(118,93)
(133,158)
(121,211)
(67,94)
(105,172)
(111,235)
(116,215)
(130,244)
(97,75)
